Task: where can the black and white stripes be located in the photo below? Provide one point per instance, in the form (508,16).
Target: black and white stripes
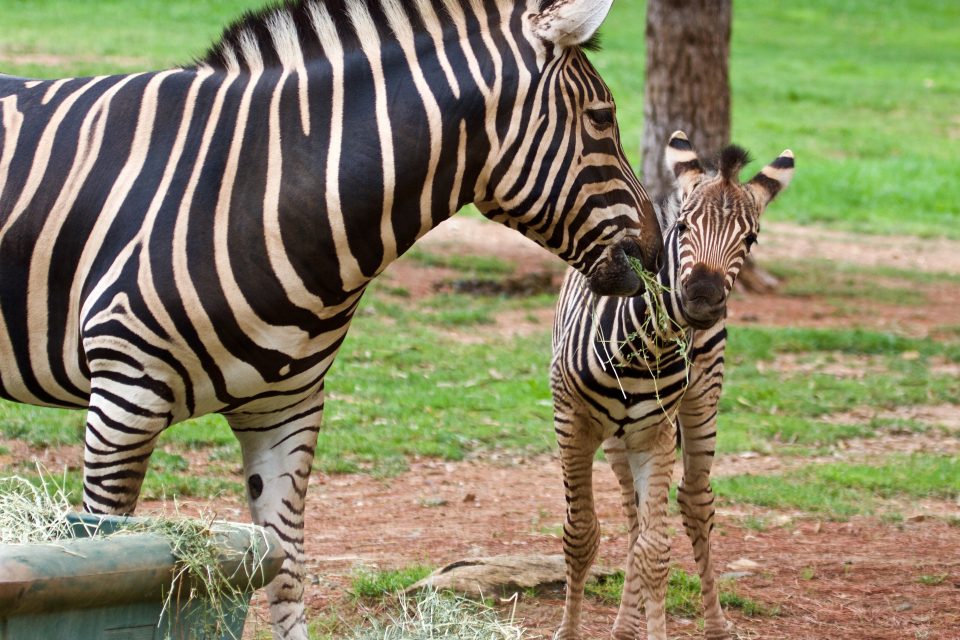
(196,240)
(638,375)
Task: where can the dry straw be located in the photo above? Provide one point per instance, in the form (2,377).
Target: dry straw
(36,513)
(432,615)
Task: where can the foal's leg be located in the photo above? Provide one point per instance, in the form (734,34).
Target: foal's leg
(652,470)
(278,451)
(698,429)
(627,624)
(581,530)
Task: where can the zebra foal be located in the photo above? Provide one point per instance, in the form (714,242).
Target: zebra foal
(628,372)
(197,240)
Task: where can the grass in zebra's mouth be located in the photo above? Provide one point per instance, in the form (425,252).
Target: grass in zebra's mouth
(657,322)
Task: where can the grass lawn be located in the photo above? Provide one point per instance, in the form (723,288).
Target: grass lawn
(864,93)
(405,386)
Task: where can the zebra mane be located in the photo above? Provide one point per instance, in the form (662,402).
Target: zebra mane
(727,164)
(288,29)
(284,33)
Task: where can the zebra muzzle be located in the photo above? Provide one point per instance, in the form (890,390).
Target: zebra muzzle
(615,275)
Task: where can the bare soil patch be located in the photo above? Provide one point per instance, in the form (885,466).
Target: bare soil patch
(865,578)
(856,579)
(932,255)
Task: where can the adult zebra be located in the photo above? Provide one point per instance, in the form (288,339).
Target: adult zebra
(628,372)
(197,240)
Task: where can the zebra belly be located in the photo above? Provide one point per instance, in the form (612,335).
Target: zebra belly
(649,406)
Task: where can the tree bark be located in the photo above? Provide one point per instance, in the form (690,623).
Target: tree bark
(687,83)
(688,88)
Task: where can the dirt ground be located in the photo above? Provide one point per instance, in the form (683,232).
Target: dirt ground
(864,578)
(856,579)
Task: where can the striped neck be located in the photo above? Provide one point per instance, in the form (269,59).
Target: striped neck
(388,119)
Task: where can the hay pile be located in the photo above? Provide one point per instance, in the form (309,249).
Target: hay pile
(38,512)
(432,615)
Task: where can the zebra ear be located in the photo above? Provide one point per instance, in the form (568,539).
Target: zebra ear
(772,179)
(570,22)
(682,162)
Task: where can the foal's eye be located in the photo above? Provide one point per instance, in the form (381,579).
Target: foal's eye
(601,118)
(750,240)
(681,227)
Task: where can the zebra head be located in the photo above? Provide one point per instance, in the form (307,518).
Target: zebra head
(560,176)
(716,220)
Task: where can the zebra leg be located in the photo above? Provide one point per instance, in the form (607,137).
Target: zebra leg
(627,624)
(119,439)
(650,564)
(581,531)
(278,451)
(695,497)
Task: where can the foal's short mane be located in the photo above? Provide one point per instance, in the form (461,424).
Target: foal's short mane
(731,160)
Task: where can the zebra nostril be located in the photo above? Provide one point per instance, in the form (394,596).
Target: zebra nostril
(705,287)
(704,293)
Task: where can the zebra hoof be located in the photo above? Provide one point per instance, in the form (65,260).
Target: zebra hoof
(725,632)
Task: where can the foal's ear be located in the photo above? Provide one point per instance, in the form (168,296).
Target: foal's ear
(682,162)
(772,179)
(570,22)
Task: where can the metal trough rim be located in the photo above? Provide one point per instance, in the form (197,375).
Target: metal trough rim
(119,569)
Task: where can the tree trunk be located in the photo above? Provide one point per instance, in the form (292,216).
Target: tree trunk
(688,88)
(687,83)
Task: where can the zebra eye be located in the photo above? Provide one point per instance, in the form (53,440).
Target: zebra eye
(681,227)
(601,118)
(750,240)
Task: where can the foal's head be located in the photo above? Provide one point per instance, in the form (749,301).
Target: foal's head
(716,222)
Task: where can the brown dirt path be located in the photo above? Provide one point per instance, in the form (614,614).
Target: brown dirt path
(856,579)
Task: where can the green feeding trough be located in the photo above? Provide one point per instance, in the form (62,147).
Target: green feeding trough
(113,581)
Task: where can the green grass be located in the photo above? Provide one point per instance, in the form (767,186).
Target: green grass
(842,489)
(470,264)
(401,388)
(683,595)
(864,93)
(40,426)
(377,584)
(769,411)
(398,393)
(846,285)
(44,427)
(932,580)
(161,482)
